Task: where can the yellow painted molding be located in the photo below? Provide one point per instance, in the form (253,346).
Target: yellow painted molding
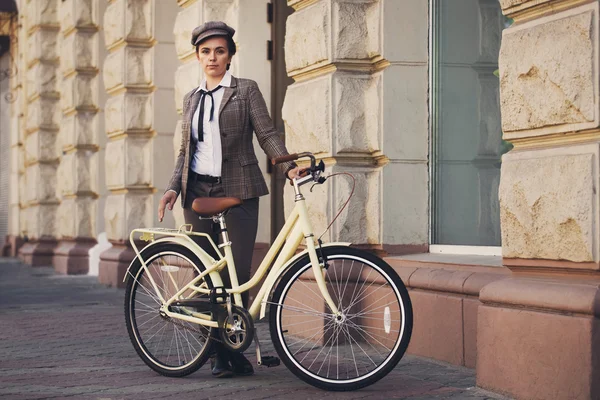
(186,3)
(137,133)
(92,28)
(138,43)
(52,61)
(303,4)
(34,203)
(54,161)
(88,71)
(43,27)
(369,66)
(148,190)
(537,8)
(82,194)
(71,148)
(556,139)
(137,89)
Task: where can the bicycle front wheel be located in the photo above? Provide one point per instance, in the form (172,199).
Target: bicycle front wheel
(171,347)
(354,348)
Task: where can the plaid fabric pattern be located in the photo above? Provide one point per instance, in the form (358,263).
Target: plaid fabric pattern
(242,111)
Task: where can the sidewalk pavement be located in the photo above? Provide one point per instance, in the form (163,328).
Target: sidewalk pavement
(65,337)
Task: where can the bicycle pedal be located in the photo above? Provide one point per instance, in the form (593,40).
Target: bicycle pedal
(270,361)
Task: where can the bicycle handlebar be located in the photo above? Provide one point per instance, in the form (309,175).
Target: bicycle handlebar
(282,159)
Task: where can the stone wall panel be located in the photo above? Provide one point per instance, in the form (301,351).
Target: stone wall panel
(41,183)
(43,113)
(129,163)
(185,22)
(357,29)
(307,115)
(125,212)
(77,13)
(77,52)
(42,12)
(548,204)
(41,146)
(114,164)
(357,107)
(187,77)
(129,112)
(114,22)
(77,218)
(79,91)
(307,39)
(130,20)
(128,66)
(138,158)
(42,45)
(41,80)
(547,78)
(78,129)
(360,220)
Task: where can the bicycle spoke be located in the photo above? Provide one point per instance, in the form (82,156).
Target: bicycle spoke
(172,344)
(341,349)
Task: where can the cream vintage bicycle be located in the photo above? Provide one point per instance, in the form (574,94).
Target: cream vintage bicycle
(340,318)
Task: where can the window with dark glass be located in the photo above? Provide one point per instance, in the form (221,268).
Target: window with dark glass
(466,142)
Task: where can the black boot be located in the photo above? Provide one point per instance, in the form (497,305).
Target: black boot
(240,364)
(219,362)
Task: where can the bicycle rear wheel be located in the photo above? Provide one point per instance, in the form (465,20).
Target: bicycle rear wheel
(171,347)
(355,348)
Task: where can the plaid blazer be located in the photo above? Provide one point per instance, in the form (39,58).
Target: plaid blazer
(242,111)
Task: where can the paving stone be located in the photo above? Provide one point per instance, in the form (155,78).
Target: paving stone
(64,337)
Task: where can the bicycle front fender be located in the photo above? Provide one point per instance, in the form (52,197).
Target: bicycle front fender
(271,283)
(206,259)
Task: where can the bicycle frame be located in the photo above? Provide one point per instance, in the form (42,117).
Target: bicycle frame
(296,228)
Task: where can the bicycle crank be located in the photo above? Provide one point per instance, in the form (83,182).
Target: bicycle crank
(236,328)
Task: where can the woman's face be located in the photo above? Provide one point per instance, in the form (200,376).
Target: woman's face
(213,55)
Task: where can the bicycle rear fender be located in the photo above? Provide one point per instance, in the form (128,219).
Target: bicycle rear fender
(270,284)
(203,256)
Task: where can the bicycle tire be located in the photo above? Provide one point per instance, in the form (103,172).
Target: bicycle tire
(297,298)
(136,309)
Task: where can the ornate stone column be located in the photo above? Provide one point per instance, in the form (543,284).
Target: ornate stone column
(77,185)
(14,99)
(539,331)
(41,129)
(348,106)
(138,115)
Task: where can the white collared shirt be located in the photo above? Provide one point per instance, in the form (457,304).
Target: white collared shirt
(208,156)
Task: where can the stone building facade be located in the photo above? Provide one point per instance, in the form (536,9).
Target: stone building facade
(470,126)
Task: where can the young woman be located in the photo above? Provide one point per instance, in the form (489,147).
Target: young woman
(217,158)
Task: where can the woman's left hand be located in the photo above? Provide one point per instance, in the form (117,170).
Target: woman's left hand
(296,173)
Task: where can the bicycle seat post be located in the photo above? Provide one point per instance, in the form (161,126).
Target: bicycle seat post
(226,245)
(220,219)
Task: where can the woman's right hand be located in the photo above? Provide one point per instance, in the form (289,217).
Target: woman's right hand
(168,199)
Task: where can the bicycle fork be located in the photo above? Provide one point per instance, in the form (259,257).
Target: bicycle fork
(318,270)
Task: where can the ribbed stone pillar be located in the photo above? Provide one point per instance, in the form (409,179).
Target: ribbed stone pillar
(347,106)
(18,104)
(139,115)
(539,331)
(41,129)
(77,185)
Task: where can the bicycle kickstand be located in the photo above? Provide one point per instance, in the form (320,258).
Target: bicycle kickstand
(269,361)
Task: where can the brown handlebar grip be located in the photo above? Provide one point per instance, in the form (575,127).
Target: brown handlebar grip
(279,160)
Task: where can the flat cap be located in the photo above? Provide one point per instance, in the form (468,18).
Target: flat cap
(211,28)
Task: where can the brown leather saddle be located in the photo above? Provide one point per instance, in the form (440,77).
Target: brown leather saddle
(210,206)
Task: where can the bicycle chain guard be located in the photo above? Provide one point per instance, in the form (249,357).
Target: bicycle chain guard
(236,329)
